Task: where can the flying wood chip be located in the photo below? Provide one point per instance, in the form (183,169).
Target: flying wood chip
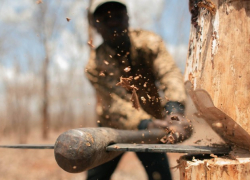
(135,100)
(106,62)
(136,78)
(90,43)
(143,100)
(125,82)
(127,69)
(68,19)
(101,73)
(168,139)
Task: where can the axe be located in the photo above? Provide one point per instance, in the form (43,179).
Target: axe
(78,150)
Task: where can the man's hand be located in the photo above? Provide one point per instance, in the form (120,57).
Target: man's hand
(177,127)
(155,124)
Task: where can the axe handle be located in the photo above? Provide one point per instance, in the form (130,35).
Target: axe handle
(78,150)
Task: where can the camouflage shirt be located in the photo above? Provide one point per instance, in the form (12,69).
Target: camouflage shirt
(154,73)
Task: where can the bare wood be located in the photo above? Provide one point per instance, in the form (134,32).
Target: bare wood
(217,77)
(218,59)
(234,167)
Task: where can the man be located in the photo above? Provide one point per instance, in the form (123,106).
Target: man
(134,65)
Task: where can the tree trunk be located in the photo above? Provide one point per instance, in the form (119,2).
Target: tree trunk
(45,116)
(217,78)
(218,62)
(234,167)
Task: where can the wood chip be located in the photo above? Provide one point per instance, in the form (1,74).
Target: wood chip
(168,139)
(135,100)
(136,77)
(102,74)
(106,62)
(144,101)
(194,160)
(68,19)
(214,156)
(125,82)
(90,43)
(127,69)
(149,97)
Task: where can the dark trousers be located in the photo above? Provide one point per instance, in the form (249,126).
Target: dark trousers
(155,164)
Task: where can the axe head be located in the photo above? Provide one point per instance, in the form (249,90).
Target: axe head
(229,130)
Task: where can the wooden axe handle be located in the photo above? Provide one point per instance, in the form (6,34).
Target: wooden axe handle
(78,150)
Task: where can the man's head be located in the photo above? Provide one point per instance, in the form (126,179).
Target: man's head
(110,19)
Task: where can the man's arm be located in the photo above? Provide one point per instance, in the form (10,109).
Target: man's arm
(172,85)
(169,76)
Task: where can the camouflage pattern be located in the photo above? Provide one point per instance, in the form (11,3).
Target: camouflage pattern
(155,74)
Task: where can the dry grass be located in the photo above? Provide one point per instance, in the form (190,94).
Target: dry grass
(16,164)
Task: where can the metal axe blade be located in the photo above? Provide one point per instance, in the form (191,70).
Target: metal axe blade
(161,148)
(228,129)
